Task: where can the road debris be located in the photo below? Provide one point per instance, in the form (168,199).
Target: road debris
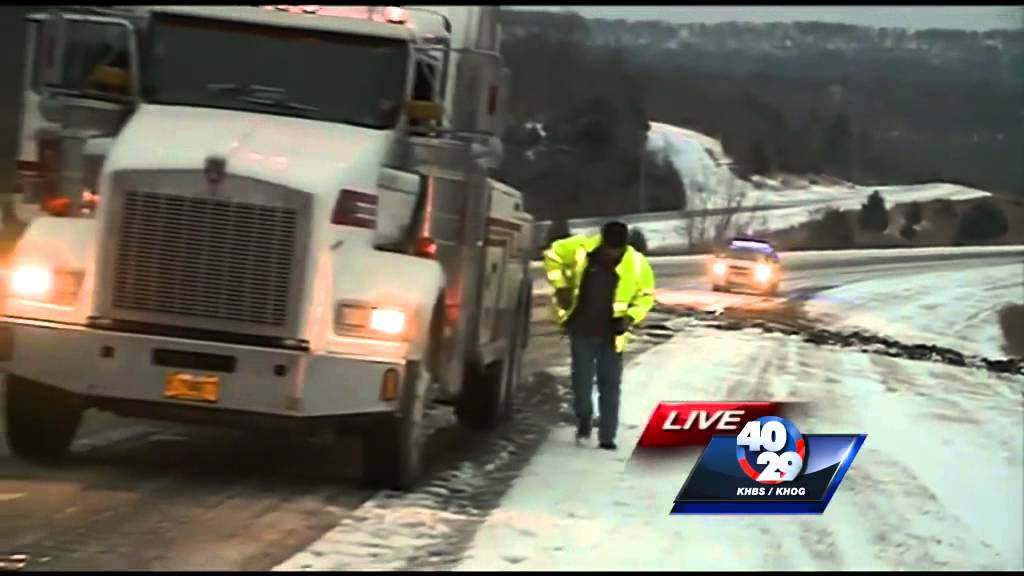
(13,562)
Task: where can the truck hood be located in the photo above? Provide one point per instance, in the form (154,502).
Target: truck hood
(308,155)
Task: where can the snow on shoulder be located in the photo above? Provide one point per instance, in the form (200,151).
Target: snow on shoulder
(937,484)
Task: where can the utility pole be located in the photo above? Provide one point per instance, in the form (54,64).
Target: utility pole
(643,182)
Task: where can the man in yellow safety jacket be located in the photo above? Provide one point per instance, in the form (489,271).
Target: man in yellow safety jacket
(602,288)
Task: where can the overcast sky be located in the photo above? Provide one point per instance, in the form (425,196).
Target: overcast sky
(913,17)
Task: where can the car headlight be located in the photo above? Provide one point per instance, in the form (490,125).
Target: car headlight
(364,320)
(39,283)
(719,268)
(763,273)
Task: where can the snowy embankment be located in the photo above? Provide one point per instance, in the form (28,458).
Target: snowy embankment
(825,259)
(937,308)
(937,485)
(780,202)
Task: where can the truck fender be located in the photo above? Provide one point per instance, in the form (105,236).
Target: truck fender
(384,279)
(63,244)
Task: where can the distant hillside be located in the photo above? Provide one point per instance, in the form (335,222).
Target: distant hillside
(995,49)
(872,106)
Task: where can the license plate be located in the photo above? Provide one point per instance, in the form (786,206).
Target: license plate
(181,386)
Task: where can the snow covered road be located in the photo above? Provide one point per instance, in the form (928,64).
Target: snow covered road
(945,297)
(937,485)
(938,307)
(934,486)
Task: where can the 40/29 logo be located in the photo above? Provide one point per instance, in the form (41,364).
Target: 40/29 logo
(771,450)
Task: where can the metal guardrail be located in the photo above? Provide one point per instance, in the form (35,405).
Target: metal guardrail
(832,258)
(685,214)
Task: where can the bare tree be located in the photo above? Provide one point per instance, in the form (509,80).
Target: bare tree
(722,214)
(735,196)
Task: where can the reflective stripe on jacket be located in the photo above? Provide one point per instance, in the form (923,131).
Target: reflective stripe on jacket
(565,261)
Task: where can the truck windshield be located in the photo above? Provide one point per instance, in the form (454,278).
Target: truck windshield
(326,76)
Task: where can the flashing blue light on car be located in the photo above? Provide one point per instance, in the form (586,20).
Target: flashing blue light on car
(752,245)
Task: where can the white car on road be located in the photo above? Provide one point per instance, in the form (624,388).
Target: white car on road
(747,264)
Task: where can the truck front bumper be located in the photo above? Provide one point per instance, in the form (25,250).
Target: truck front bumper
(119,368)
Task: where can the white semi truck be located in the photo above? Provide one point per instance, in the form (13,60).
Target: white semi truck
(267,216)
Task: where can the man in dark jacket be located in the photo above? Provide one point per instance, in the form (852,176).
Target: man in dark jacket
(602,287)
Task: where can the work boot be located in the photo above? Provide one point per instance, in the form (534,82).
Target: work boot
(583,430)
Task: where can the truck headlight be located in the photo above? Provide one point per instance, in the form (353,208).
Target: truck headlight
(719,268)
(763,273)
(387,321)
(365,320)
(32,281)
(39,283)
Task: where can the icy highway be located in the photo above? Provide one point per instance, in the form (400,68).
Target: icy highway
(145,495)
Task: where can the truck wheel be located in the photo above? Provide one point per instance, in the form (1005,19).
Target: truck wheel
(483,395)
(41,421)
(393,449)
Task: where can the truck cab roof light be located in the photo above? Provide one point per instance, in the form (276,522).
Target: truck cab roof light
(396,15)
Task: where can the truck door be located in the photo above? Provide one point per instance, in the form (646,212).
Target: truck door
(503,267)
(81,83)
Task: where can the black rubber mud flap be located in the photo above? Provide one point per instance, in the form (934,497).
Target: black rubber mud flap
(480,403)
(393,449)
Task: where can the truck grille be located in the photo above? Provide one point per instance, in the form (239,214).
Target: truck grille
(205,257)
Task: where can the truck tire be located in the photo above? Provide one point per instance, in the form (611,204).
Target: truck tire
(393,448)
(41,421)
(486,398)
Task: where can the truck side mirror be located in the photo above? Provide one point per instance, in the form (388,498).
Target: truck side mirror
(112,79)
(481,92)
(501,102)
(54,34)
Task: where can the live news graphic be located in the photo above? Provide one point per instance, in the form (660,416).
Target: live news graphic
(753,462)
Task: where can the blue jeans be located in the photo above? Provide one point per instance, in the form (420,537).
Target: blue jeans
(592,355)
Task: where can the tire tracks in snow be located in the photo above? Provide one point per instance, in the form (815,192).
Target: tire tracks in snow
(887,516)
(898,515)
(433,525)
(788,320)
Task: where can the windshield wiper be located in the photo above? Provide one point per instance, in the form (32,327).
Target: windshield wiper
(279,103)
(262,95)
(231,88)
(225,87)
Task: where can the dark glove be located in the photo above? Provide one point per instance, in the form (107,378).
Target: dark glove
(621,325)
(564,298)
